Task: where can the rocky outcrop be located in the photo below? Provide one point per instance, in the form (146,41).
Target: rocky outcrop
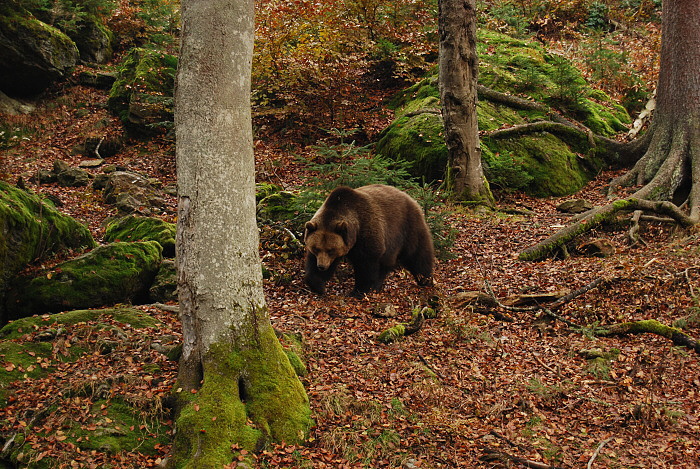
(130,192)
(93,40)
(136,228)
(13,106)
(31,229)
(107,275)
(32,54)
(142,96)
(539,162)
(164,286)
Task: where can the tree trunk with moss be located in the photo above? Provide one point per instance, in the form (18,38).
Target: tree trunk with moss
(669,169)
(235,384)
(458,95)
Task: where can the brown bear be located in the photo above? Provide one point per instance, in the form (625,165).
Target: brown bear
(377,228)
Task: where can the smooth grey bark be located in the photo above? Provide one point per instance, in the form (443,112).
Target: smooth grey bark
(236,387)
(218,261)
(458,65)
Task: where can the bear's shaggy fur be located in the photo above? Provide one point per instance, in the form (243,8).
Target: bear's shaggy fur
(377,228)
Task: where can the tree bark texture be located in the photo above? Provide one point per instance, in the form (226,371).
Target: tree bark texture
(458,95)
(670,168)
(233,370)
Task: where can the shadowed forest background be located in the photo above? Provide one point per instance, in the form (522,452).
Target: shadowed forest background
(586,357)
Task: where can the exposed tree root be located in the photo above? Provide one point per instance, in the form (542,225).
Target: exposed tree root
(613,151)
(598,216)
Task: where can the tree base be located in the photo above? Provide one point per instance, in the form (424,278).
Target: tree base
(249,398)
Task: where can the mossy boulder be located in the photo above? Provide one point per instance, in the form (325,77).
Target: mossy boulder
(137,228)
(289,209)
(32,229)
(164,286)
(93,39)
(513,67)
(115,273)
(32,54)
(142,95)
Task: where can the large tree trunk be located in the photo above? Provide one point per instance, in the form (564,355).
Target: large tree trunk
(458,95)
(669,170)
(235,383)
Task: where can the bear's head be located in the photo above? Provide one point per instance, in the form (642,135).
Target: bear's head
(329,243)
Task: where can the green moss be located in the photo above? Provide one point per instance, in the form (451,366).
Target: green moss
(19,361)
(294,348)
(514,67)
(264,189)
(249,396)
(110,274)
(418,139)
(392,334)
(33,229)
(137,228)
(553,169)
(145,76)
(113,426)
(133,317)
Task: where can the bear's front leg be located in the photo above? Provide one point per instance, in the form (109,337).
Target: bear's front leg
(368,277)
(315,278)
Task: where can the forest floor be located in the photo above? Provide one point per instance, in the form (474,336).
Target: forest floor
(471,388)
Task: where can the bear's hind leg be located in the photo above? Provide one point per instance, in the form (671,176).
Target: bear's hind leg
(421,267)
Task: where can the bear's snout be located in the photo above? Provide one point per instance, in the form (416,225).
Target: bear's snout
(323,262)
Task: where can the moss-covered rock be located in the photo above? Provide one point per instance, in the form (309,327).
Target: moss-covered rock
(115,273)
(136,228)
(32,229)
(93,39)
(142,96)
(164,286)
(131,316)
(514,67)
(32,54)
(548,166)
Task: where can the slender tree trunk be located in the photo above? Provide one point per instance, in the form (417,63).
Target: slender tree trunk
(458,79)
(235,383)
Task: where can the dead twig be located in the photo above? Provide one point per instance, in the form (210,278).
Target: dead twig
(493,455)
(597,451)
(428,366)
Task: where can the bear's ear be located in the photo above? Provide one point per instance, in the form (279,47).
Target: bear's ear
(310,228)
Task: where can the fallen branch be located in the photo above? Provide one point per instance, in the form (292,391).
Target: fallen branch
(494,455)
(597,451)
(428,366)
(547,309)
(650,326)
(418,317)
